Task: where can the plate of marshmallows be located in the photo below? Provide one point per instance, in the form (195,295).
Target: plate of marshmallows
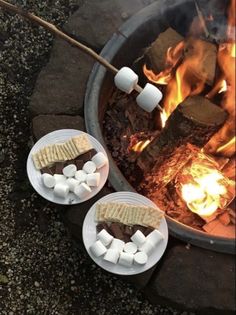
(125,233)
(67,166)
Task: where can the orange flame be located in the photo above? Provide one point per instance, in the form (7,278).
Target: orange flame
(140,146)
(223,141)
(204,188)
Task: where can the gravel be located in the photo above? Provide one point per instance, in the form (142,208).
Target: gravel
(42,270)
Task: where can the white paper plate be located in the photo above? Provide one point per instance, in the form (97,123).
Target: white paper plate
(35,175)
(89,234)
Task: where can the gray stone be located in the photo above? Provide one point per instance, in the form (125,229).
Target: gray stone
(96,21)
(43,124)
(61,85)
(195,279)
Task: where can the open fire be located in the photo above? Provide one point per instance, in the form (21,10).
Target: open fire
(203,187)
(186,153)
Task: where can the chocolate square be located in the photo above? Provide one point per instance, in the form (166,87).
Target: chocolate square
(59,167)
(48,170)
(79,164)
(116,230)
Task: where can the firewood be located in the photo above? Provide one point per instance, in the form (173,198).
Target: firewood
(205,53)
(194,121)
(225,218)
(217,228)
(202,53)
(156,53)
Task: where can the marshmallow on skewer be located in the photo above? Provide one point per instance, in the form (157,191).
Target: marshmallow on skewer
(98,249)
(140,258)
(111,255)
(126,80)
(130,248)
(81,176)
(149,98)
(69,170)
(138,238)
(93,179)
(82,190)
(147,248)
(105,237)
(155,237)
(117,244)
(126,259)
(61,190)
(89,167)
(59,178)
(99,159)
(48,180)
(72,183)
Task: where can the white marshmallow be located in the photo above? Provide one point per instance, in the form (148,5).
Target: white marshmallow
(48,180)
(100,160)
(140,258)
(130,248)
(117,244)
(111,255)
(155,237)
(72,183)
(147,248)
(126,79)
(149,98)
(138,238)
(93,179)
(105,237)
(82,190)
(89,167)
(61,190)
(81,176)
(59,178)
(126,259)
(69,170)
(98,249)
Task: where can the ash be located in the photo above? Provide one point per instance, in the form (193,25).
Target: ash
(42,271)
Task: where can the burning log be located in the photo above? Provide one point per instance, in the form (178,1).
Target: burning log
(194,121)
(197,57)
(206,54)
(156,53)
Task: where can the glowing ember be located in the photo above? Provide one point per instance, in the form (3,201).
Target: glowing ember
(140,146)
(203,187)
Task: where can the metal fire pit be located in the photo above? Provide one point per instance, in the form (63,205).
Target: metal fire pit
(121,50)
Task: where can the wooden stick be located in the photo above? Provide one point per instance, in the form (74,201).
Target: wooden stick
(202,20)
(54,30)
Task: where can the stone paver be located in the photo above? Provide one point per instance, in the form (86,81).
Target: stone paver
(61,85)
(43,124)
(195,279)
(96,21)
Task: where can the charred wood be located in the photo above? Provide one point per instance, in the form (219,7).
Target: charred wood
(194,121)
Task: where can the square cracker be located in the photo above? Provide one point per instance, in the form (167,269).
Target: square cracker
(100,212)
(69,150)
(82,143)
(36,161)
(73,148)
(153,217)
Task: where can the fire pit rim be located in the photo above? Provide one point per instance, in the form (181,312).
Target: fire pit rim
(116,178)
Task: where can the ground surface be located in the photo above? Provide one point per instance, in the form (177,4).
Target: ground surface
(42,271)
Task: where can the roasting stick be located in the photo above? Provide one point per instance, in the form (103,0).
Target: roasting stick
(54,30)
(201,18)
